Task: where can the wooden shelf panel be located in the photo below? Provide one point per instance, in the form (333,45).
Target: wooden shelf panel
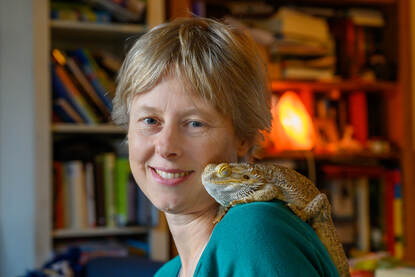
(347,2)
(277,85)
(91,27)
(374,3)
(299,155)
(98,232)
(68,128)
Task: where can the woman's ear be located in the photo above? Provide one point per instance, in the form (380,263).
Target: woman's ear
(244,147)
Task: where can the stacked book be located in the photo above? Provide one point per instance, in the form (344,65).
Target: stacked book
(303,44)
(83,85)
(101,193)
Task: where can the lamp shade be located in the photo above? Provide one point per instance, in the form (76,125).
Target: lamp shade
(292,127)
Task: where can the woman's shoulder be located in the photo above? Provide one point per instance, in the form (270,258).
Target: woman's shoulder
(264,222)
(171,268)
(267,238)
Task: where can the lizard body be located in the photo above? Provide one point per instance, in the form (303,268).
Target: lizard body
(236,183)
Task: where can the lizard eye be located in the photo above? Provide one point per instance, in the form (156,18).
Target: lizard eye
(223,170)
(246,177)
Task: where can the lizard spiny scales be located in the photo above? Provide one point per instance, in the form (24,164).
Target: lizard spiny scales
(236,183)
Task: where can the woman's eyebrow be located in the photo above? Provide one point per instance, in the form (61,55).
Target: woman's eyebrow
(196,111)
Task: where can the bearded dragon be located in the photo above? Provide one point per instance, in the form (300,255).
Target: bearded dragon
(237,183)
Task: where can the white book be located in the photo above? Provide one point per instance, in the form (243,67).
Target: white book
(395,272)
(77,194)
(363,217)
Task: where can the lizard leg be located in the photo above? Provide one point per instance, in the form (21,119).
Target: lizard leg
(259,195)
(318,207)
(221,213)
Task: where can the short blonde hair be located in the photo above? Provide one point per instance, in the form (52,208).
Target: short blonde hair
(217,62)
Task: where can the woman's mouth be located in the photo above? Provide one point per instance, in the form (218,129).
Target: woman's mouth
(170,177)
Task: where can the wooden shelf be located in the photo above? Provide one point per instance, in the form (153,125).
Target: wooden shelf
(299,155)
(277,85)
(374,3)
(347,2)
(68,128)
(116,28)
(98,231)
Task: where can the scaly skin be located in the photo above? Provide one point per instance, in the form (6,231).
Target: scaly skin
(236,183)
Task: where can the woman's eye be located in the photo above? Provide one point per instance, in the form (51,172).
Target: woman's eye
(196,124)
(150,121)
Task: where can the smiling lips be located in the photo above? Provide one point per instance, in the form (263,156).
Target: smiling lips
(170,177)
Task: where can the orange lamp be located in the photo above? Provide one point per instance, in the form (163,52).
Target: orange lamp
(292,127)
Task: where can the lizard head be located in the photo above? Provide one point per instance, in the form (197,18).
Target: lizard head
(227,182)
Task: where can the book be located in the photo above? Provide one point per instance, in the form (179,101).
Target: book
(303,73)
(297,24)
(108,165)
(60,91)
(132,201)
(341,194)
(90,194)
(78,101)
(398,214)
(395,272)
(58,196)
(358,117)
(66,112)
(100,219)
(80,57)
(86,86)
(102,76)
(363,216)
(122,173)
(77,194)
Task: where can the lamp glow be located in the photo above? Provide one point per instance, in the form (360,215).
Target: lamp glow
(292,127)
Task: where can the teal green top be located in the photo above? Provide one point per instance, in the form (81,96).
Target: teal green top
(260,239)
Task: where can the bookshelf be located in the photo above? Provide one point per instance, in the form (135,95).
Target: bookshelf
(398,35)
(99,232)
(68,128)
(114,38)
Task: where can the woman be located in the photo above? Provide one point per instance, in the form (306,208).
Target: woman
(193,92)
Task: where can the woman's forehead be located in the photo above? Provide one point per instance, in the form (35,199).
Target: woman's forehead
(172,93)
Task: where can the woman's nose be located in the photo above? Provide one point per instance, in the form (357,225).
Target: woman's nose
(168,144)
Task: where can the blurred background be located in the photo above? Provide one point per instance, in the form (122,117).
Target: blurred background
(341,76)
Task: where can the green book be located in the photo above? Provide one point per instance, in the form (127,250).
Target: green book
(122,172)
(109,188)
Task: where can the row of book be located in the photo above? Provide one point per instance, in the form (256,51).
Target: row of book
(99,11)
(320,43)
(366,207)
(100,193)
(83,85)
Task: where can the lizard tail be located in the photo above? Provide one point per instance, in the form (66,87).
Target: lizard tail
(326,231)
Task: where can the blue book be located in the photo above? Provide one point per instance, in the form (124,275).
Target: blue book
(89,71)
(60,90)
(65,111)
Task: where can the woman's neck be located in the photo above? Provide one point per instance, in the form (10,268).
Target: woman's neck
(191,233)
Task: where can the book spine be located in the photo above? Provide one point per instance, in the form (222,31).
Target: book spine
(99,191)
(90,192)
(109,187)
(122,171)
(82,105)
(81,57)
(358,115)
(59,196)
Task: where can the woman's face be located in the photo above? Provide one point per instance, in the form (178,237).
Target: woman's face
(172,136)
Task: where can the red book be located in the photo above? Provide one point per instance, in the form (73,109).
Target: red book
(358,115)
(307,97)
(58,199)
